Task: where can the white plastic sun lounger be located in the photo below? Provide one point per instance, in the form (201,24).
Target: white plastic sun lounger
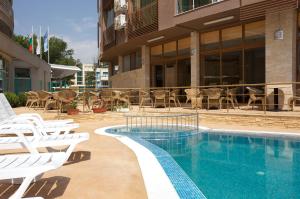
(7,111)
(7,116)
(28,166)
(37,140)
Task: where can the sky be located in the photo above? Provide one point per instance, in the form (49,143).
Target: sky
(75,21)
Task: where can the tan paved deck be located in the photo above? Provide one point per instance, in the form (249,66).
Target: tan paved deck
(105,168)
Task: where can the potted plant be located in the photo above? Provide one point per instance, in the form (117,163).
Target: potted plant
(99,109)
(72,109)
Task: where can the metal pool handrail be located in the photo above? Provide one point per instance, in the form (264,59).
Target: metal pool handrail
(175,122)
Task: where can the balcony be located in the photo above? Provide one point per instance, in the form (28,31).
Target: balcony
(109,37)
(188,5)
(143,20)
(6,7)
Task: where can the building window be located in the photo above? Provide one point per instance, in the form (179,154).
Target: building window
(227,58)
(22,80)
(132,61)
(3,75)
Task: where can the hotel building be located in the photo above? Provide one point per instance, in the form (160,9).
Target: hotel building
(169,43)
(20,70)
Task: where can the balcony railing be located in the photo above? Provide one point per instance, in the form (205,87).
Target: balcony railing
(109,37)
(187,5)
(143,20)
(6,6)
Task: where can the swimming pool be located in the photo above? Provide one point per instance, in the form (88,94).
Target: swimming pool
(225,165)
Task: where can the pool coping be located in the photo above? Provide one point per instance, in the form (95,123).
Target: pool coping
(151,169)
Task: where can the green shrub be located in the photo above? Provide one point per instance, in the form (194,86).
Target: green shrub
(12,98)
(22,99)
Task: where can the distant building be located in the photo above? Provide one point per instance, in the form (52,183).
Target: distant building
(81,77)
(20,70)
(102,77)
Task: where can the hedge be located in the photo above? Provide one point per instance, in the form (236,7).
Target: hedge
(16,100)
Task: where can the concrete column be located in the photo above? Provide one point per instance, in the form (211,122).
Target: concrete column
(145,67)
(195,59)
(11,77)
(120,63)
(281,56)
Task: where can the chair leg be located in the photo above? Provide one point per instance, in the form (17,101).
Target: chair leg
(23,187)
(179,102)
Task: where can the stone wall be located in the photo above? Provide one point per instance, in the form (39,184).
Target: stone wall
(130,79)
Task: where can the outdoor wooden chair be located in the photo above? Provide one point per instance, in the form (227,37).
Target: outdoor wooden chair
(52,101)
(123,97)
(230,96)
(174,97)
(145,96)
(107,98)
(43,97)
(214,97)
(91,100)
(34,99)
(160,95)
(191,93)
(65,97)
(255,95)
(29,99)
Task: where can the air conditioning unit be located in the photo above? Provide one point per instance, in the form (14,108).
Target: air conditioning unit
(120,22)
(120,5)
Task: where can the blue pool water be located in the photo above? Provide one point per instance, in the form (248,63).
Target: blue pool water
(231,166)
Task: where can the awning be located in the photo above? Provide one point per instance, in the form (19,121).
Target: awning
(61,71)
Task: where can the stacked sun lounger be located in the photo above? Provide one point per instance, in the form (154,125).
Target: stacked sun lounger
(30,132)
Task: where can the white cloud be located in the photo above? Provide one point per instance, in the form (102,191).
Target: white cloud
(83,24)
(85,50)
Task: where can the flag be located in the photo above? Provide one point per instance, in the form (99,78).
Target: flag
(31,43)
(46,45)
(38,47)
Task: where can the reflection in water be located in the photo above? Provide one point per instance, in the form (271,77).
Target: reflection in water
(232,166)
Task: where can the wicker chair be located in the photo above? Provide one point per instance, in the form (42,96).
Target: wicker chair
(160,95)
(230,97)
(43,98)
(214,97)
(191,93)
(122,96)
(34,99)
(255,95)
(174,97)
(65,97)
(145,96)
(107,98)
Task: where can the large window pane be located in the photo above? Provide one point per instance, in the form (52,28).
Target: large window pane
(170,49)
(255,66)
(211,69)
(232,36)
(184,5)
(232,67)
(210,40)
(184,46)
(22,73)
(255,32)
(126,63)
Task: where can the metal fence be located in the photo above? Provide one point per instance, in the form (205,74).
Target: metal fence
(154,122)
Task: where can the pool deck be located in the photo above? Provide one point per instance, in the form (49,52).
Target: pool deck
(103,167)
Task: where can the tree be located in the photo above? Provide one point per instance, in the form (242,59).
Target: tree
(59,52)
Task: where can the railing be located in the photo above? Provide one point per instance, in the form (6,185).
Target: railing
(6,6)
(187,5)
(144,20)
(109,37)
(153,122)
(246,99)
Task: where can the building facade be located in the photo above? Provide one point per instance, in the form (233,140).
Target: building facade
(102,77)
(86,77)
(168,43)
(20,70)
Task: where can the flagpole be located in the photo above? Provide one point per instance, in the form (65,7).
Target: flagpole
(32,39)
(48,45)
(41,55)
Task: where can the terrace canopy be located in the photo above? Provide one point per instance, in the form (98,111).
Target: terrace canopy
(62,71)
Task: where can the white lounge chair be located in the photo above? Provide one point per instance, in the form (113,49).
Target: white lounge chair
(37,140)
(7,115)
(28,166)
